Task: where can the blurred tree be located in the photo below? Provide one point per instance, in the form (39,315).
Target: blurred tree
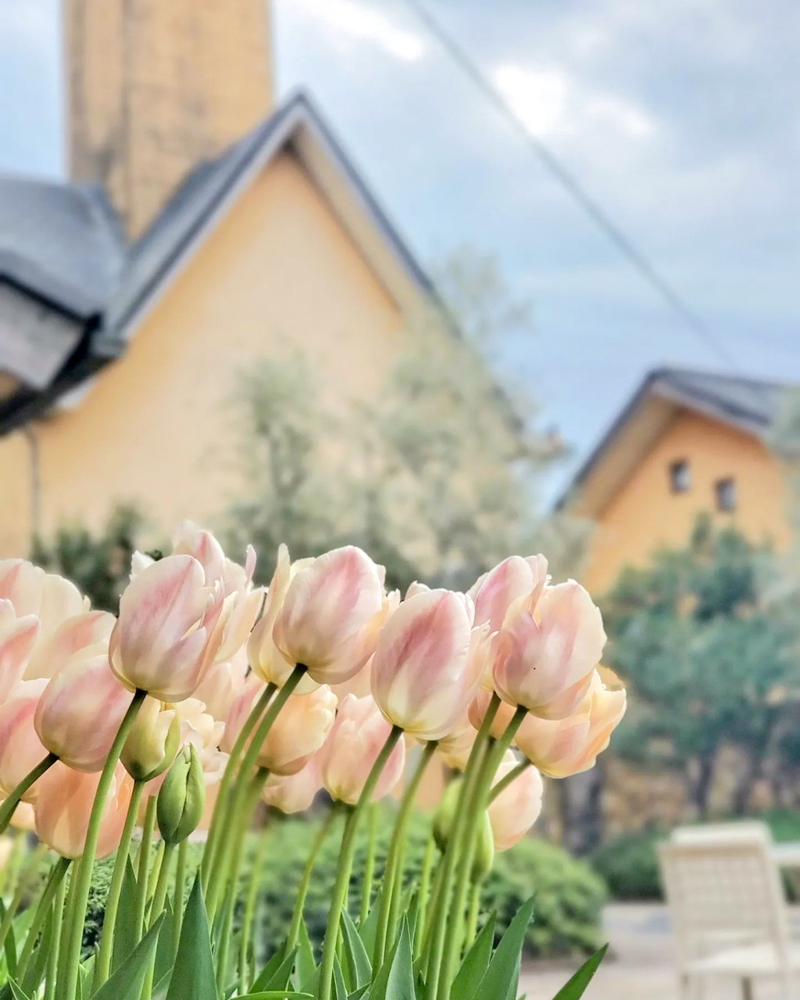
(436,476)
(707,660)
(99,564)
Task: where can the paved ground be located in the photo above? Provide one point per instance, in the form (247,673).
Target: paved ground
(639,966)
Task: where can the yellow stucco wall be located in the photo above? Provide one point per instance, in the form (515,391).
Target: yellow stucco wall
(645,515)
(157,427)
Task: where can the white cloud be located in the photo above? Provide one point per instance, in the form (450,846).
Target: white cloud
(621,115)
(538,99)
(359,21)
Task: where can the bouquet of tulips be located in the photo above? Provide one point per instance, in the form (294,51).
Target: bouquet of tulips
(134,736)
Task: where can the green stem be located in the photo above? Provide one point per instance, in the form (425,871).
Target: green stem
(143,866)
(305,881)
(346,864)
(474,910)
(220,865)
(369,864)
(8,873)
(104,955)
(509,779)
(159,898)
(424,893)
(177,899)
(392,880)
(52,958)
(221,816)
(23,884)
(250,904)
(54,880)
(470,832)
(81,883)
(9,806)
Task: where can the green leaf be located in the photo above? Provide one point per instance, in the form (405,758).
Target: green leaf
(576,986)
(193,975)
(279,977)
(368,931)
(501,979)
(475,963)
(276,995)
(38,966)
(16,991)
(359,993)
(126,982)
(306,963)
(395,980)
(356,964)
(339,988)
(164,957)
(268,971)
(126,931)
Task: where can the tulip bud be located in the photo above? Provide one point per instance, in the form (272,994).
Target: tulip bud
(422,676)
(502,588)
(20,747)
(153,742)
(443,822)
(182,797)
(80,712)
(351,750)
(517,807)
(298,732)
(331,615)
(546,663)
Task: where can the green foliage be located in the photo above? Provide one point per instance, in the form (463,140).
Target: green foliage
(629,866)
(98,563)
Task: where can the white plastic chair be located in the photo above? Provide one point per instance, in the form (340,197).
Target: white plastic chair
(728,910)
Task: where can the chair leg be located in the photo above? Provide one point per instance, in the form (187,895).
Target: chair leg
(747,989)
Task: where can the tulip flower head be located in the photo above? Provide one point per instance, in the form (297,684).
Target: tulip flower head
(182,798)
(545,661)
(331,615)
(169,629)
(32,591)
(296,792)
(512,584)
(221,686)
(20,747)
(153,742)
(423,673)
(298,732)
(18,635)
(517,807)
(355,742)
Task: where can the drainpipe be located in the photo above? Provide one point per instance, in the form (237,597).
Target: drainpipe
(35,482)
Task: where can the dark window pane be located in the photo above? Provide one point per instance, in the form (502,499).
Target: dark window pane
(680,478)
(725,490)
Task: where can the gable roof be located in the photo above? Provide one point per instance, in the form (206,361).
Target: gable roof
(749,404)
(60,245)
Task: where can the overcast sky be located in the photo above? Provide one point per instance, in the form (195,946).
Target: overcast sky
(681,117)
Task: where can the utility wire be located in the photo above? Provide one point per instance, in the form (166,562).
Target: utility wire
(571,184)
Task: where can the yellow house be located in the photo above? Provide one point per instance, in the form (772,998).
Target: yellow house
(131,296)
(687,442)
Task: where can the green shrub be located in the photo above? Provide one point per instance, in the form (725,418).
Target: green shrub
(629,866)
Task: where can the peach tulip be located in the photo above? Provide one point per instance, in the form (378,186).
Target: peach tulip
(20,747)
(502,588)
(32,591)
(423,673)
(331,615)
(221,685)
(243,704)
(355,742)
(18,635)
(205,733)
(572,745)
(456,747)
(64,804)
(516,808)
(298,732)
(80,711)
(296,792)
(169,629)
(23,818)
(87,633)
(545,663)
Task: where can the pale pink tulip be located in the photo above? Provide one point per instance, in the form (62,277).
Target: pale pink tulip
(32,591)
(298,732)
(516,808)
(456,747)
(296,792)
(502,589)
(423,676)
(242,706)
(87,633)
(331,615)
(64,804)
(205,733)
(546,663)
(264,656)
(356,740)
(20,747)
(18,634)
(169,629)
(221,686)
(572,745)
(23,818)
(80,712)
(477,712)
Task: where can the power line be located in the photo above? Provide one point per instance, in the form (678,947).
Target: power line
(573,186)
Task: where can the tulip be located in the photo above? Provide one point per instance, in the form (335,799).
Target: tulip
(423,676)
(331,615)
(517,807)
(181,800)
(153,742)
(572,745)
(221,686)
(18,635)
(298,732)
(87,633)
(264,656)
(169,629)
(503,588)
(456,747)
(33,592)
(249,693)
(20,747)
(64,804)
(545,663)
(353,747)
(203,732)
(23,818)
(80,712)
(296,792)
(444,820)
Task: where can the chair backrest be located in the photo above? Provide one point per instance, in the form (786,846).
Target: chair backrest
(738,831)
(723,886)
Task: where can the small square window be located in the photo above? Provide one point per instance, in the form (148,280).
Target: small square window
(725,491)
(680,476)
